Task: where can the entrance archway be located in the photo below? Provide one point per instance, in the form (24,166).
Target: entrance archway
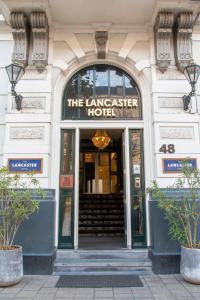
(102,93)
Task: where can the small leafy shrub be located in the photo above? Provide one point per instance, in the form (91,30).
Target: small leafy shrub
(16,203)
(183,215)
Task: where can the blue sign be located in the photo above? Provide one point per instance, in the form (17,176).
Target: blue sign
(175,165)
(25,165)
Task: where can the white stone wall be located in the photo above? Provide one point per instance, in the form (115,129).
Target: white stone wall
(29,134)
(26,133)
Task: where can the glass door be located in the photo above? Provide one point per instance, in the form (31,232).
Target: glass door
(137,188)
(66,205)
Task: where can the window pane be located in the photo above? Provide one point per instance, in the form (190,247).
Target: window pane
(130,87)
(67,166)
(71,94)
(101,81)
(116,82)
(86,84)
(66,219)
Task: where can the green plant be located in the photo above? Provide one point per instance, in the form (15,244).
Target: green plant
(183,215)
(16,203)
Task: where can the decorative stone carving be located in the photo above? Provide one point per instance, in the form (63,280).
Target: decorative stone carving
(168,132)
(167,102)
(163,39)
(27,133)
(183,39)
(21,38)
(40,36)
(101,38)
(170,74)
(32,103)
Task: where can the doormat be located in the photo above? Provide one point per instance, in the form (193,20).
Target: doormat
(98,281)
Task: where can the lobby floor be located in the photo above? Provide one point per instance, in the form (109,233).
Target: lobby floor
(159,287)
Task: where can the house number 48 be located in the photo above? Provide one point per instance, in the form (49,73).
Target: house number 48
(170,148)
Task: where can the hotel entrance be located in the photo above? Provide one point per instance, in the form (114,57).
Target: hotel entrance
(101,190)
(102,201)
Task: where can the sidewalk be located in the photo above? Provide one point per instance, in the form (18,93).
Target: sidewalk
(158,287)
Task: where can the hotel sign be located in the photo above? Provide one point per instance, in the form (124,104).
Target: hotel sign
(175,165)
(113,107)
(25,165)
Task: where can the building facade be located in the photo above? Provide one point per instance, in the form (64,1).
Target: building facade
(112,69)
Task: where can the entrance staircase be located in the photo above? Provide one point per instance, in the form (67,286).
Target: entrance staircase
(121,261)
(101,215)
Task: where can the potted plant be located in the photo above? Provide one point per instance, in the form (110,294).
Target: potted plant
(183,216)
(16,205)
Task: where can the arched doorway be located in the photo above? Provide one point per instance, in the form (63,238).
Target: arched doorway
(102,100)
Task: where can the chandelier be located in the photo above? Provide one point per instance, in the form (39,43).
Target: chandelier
(101,139)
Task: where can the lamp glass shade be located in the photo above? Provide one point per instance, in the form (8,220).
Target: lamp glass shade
(101,139)
(192,73)
(14,72)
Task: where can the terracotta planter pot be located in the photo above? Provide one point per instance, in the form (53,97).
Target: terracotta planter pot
(11,266)
(190,264)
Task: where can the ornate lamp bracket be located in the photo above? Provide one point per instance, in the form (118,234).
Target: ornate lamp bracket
(183,39)
(101,38)
(163,39)
(40,36)
(21,38)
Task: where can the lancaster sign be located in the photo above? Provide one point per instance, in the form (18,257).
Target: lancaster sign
(175,165)
(102,106)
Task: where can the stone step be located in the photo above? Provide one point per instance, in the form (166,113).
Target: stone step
(105,265)
(101,254)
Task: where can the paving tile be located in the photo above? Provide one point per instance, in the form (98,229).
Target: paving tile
(44,297)
(48,290)
(72,298)
(7,296)
(175,287)
(31,287)
(22,298)
(142,294)
(27,294)
(65,292)
(180,293)
(122,290)
(104,294)
(146,298)
(124,297)
(97,298)
(11,290)
(196,295)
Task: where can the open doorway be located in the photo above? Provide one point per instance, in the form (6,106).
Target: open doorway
(101,192)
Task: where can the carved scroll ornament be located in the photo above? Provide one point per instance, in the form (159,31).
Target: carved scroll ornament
(40,36)
(183,39)
(21,39)
(101,38)
(163,39)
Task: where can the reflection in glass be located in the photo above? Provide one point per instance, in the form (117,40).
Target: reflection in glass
(113,162)
(116,83)
(101,81)
(66,219)
(86,84)
(136,179)
(138,215)
(67,153)
(130,87)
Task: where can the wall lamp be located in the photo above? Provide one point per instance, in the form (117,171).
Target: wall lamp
(15,72)
(191,73)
